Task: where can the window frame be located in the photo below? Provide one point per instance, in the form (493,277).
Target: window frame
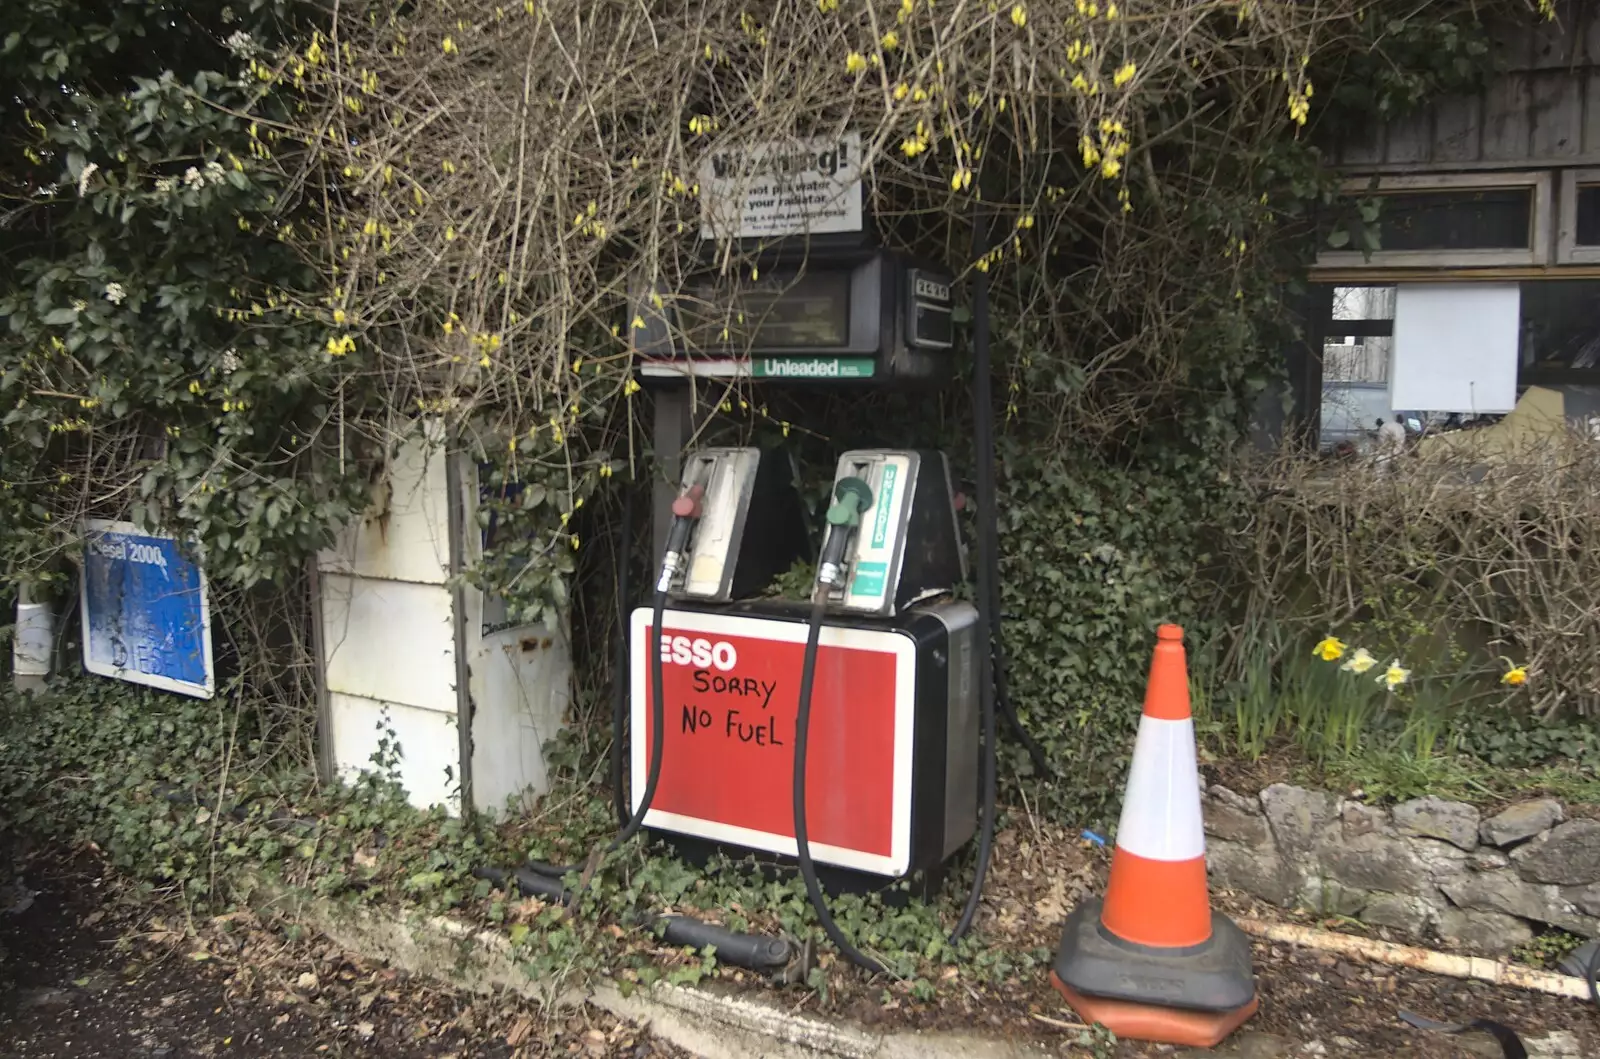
(1536,253)
(1568,252)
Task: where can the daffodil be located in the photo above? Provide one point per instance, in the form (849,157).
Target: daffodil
(1516,676)
(1394,676)
(1330,649)
(1359,661)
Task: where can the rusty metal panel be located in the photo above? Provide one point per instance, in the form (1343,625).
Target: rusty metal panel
(1557,110)
(1506,105)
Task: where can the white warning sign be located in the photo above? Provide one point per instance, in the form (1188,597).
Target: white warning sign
(789,187)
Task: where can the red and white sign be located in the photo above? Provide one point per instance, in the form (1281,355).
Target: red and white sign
(732,688)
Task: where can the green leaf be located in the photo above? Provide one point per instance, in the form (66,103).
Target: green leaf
(56,317)
(1339,238)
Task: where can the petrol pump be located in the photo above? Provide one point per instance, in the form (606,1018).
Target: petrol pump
(853,732)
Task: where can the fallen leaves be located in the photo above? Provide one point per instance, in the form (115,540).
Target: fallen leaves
(520,1032)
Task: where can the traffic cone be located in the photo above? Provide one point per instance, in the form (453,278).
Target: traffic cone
(1152,962)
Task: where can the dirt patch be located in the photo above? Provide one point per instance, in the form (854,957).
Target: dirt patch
(84,974)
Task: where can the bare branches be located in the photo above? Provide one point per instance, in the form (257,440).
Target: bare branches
(1491,547)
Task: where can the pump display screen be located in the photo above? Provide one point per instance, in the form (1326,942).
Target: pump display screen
(810,311)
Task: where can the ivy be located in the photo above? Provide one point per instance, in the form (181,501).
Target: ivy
(153,365)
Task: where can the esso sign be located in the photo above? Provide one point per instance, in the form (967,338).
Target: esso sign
(700,653)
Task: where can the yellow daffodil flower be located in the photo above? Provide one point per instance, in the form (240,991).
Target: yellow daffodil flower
(1331,649)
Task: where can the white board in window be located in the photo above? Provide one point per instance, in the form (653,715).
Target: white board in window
(1455,347)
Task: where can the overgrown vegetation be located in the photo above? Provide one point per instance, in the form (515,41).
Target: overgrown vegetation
(1465,569)
(244,257)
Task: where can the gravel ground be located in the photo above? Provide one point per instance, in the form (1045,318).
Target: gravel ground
(84,975)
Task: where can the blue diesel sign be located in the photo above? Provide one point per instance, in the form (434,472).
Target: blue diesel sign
(145,613)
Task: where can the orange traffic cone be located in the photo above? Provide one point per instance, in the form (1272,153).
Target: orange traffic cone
(1152,962)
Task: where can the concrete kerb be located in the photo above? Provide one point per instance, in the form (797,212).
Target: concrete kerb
(702,1022)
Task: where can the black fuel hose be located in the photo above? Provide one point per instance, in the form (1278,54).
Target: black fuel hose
(802,842)
(619,686)
(758,952)
(990,676)
(988,623)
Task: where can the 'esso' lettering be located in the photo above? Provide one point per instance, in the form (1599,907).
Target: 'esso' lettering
(700,653)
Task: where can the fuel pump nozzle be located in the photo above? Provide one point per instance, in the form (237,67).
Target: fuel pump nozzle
(851,497)
(686,511)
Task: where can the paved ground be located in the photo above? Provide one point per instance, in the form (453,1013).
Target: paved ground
(82,977)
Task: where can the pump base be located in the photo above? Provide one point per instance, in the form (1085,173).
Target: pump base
(923,885)
(1194,996)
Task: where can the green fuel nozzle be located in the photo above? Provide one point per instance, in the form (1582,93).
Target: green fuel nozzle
(851,496)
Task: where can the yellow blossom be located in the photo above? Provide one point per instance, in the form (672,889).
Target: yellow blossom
(1019,16)
(631,387)
(1124,75)
(1331,649)
(1516,676)
(901,91)
(338,316)
(855,62)
(890,41)
(449,46)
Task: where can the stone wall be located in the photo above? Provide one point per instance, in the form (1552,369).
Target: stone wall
(1423,868)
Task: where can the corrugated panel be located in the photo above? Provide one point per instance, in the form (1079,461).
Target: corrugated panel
(425,740)
(389,640)
(521,689)
(406,537)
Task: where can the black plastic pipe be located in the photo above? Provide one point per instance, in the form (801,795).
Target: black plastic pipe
(757,952)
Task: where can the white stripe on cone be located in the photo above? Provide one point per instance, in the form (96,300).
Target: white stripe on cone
(1161,811)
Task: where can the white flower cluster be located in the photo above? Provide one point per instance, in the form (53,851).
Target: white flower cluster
(230,360)
(213,173)
(115,293)
(241,44)
(84,177)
